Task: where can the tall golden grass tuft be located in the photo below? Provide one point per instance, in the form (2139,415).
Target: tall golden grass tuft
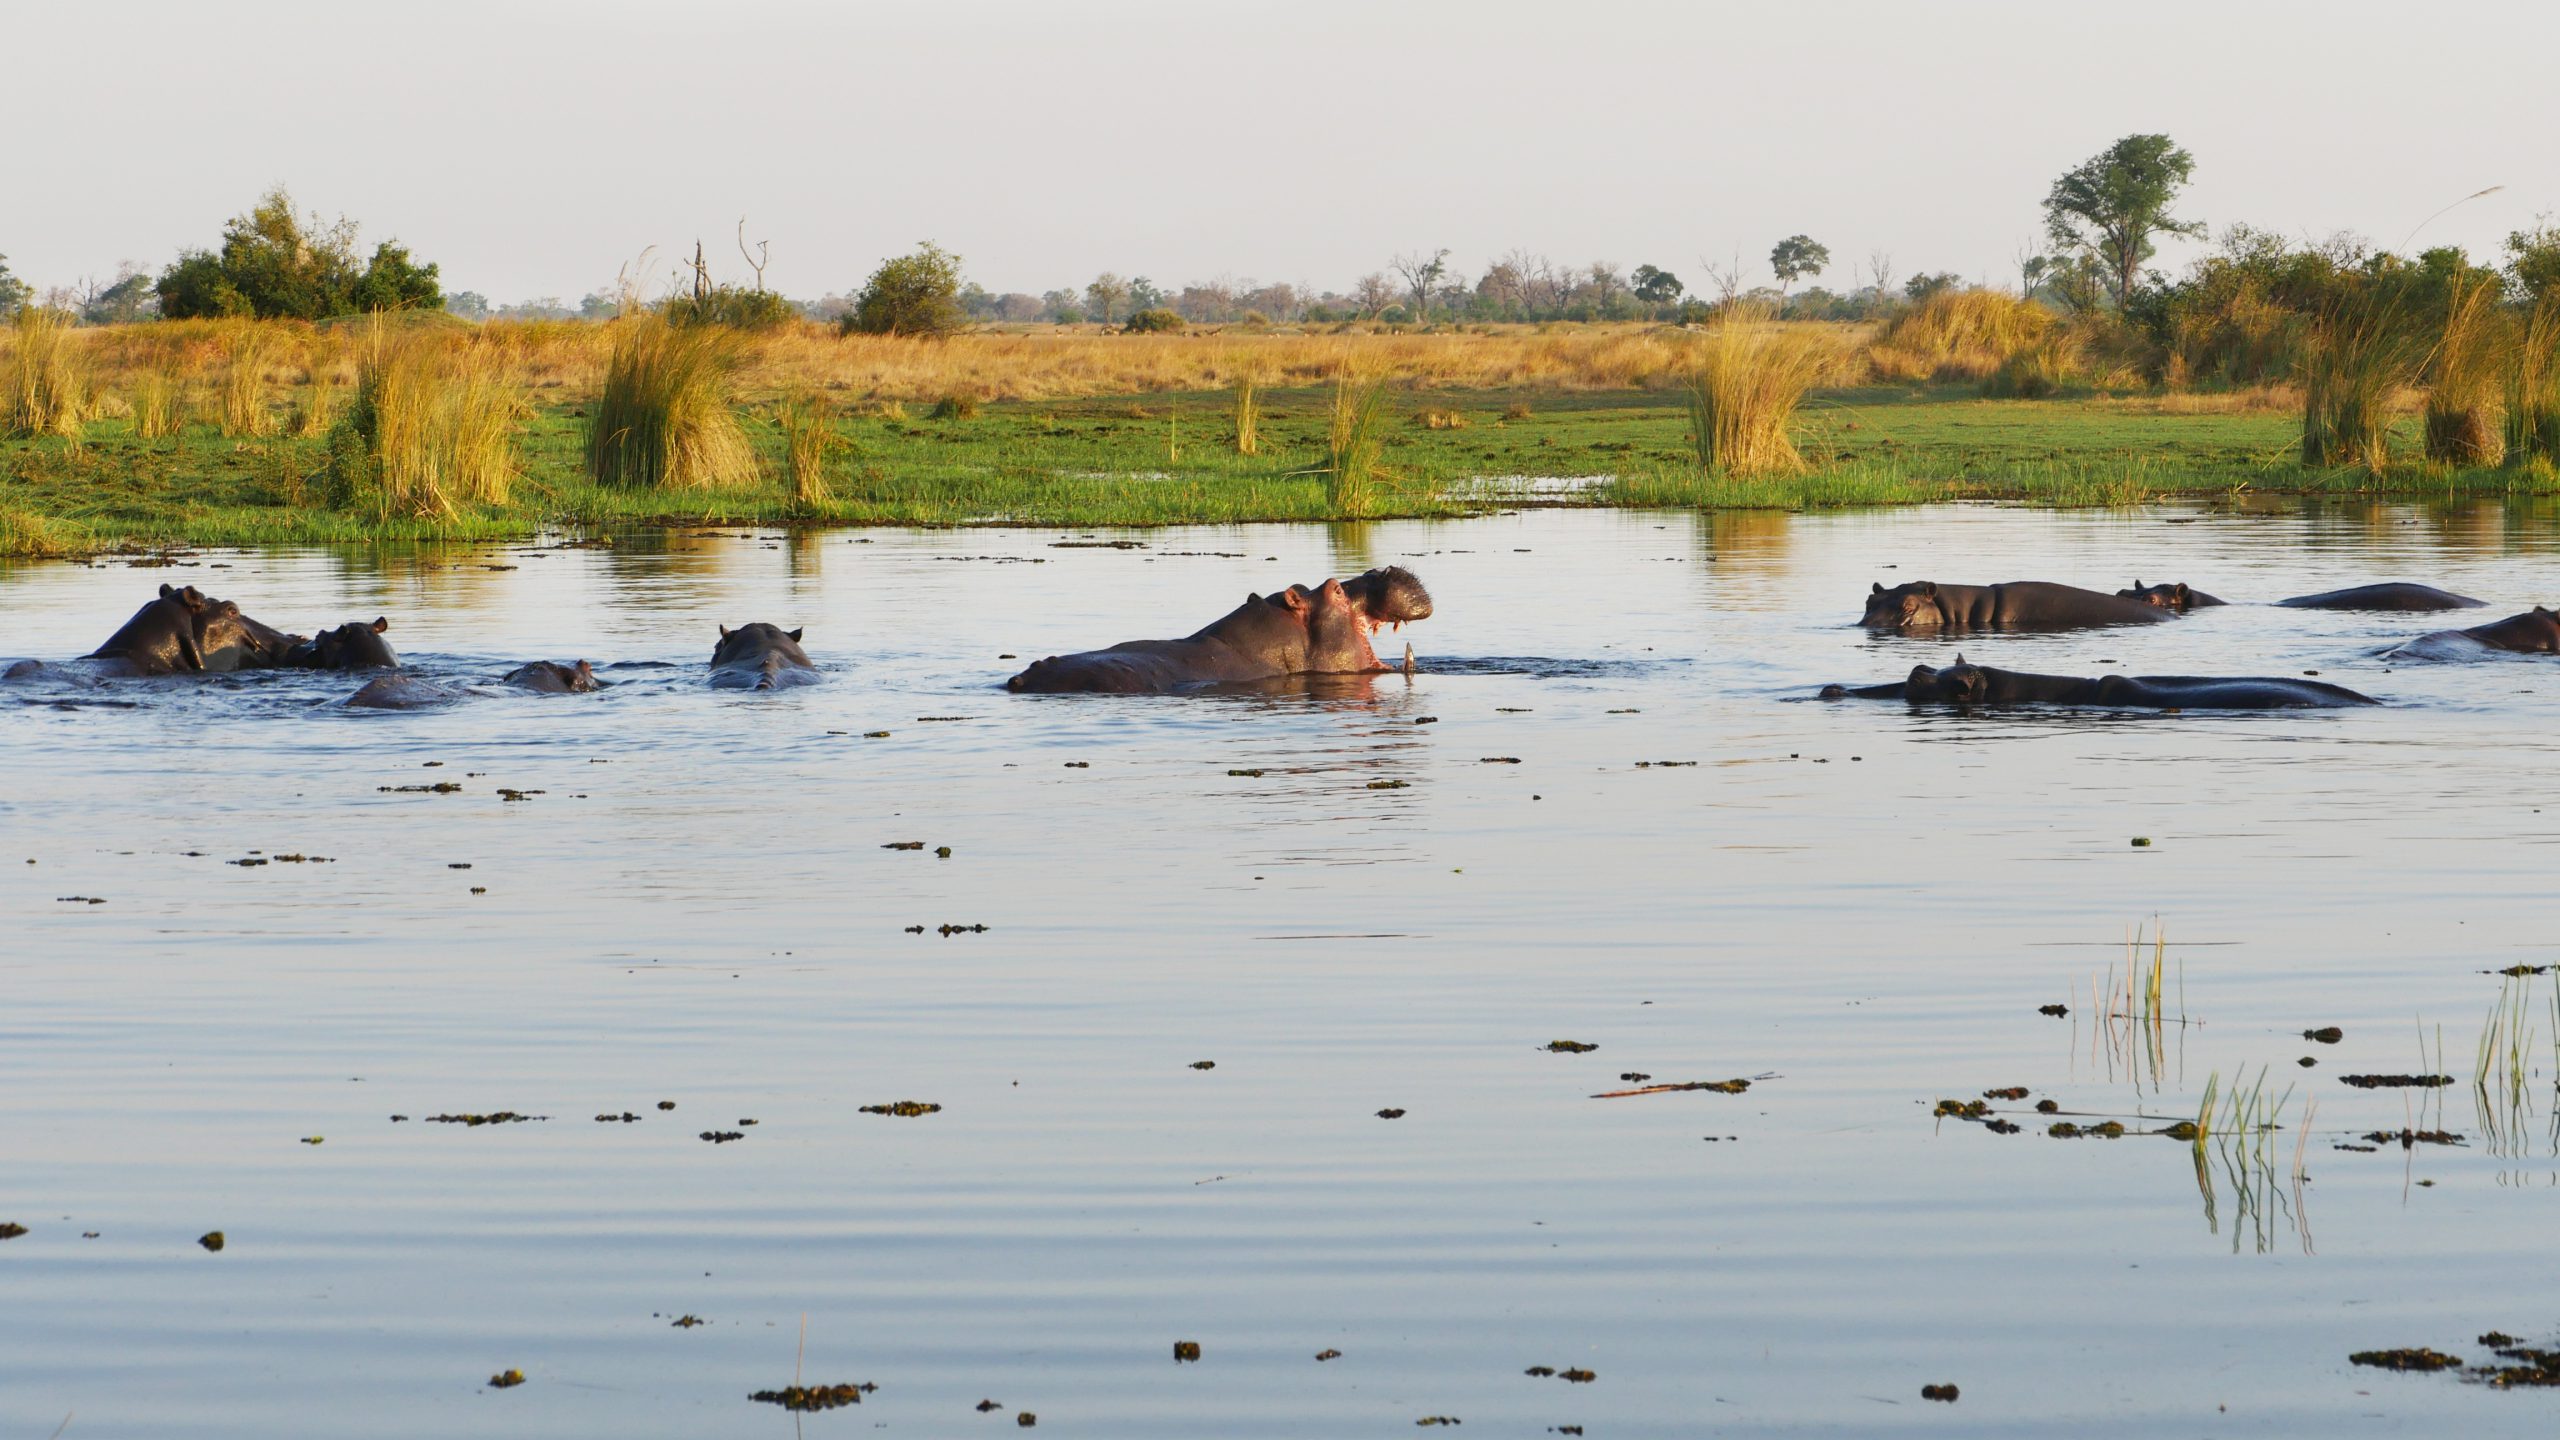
(321,394)
(432,428)
(1355,439)
(2353,353)
(664,417)
(46,378)
(158,403)
(2533,388)
(1246,407)
(244,409)
(809,439)
(1746,378)
(2464,396)
(1957,335)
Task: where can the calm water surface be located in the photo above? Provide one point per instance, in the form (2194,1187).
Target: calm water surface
(1863,904)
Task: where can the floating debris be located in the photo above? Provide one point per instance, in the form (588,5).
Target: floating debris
(2056,1011)
(986,1405)
(506,1380)
(1943,1393)
(2410,1139)
(625,1118)
(2006,1092)
(1570,1047)
(1204,1064)
(440,787)
(1734,1086)
(211,1240)
(688,1321)
(2048,1107)
(1246,774)
(1026,1419)
(1324,1355)
(1578,1377)
(2418,1358)
(904,845)
(909,1108)
(2326,1034)
(12,1230)
(1439,1420)
(961,929)
(1499,760)
(1390,784)
(1962,1109)
(2397,1082)
(666,1104)
(497,1117)
(506,794)
(721,1137)
(1186,1351)
(813,1397)
(1390,1114)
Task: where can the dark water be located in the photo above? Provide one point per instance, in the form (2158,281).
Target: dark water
(1863,903)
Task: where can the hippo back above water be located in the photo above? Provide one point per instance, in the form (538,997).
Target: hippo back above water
(760,657)
(2395,596)
(1925,607)
(1298,631)
(2536,632)
(1964,683)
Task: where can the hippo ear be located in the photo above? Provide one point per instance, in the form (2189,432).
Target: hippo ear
(1926,587)
(724,632)
(1294,598)
(168,591)
(585,669)
(796,633)
(2138,585)
(1876,588)
(381,623)
(1959,657)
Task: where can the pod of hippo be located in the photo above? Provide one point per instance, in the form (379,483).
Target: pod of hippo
(1327,629)
(1297,631)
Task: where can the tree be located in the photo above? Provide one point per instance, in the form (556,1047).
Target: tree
(1796,257)
(127,300)
(916,294)
(13,291)
(1606,282)
(1143,295)
(1657,287)
(1107,294)
(1923,285)
(1373,293)
(1421,276)
(2113,203)
(2533,261)
(274,263)
(2032,265)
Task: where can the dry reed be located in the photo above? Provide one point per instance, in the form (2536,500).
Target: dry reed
(2533,388)
(808,440)
(44,386)
(1746,378)
(2466,364)
(1957,335)
(2357,350)
(432,429)
(665,416)
(244,412)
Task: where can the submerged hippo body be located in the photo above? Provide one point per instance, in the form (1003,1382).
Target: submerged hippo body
(2536,632)
(1964,683)
(186,632)
(1297,631)
(760,657)
(356,645)
(2180,597)
(2384,597)
(398,691)
(1924,607)
(549,677)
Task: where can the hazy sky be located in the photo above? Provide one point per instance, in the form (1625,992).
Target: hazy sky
(532,147)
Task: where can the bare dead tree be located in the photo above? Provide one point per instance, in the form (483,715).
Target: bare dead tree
(1726,279)
(762,257)
(1421,274)
(1880,270)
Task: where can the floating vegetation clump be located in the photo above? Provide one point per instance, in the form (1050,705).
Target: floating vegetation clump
(813,1397)
(907,1108)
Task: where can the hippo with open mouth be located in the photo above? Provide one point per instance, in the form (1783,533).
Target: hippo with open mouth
(1925,607)
(1297,631)
(1964,683)
(186,631)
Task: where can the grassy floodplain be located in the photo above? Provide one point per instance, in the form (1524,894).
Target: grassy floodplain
(220,433)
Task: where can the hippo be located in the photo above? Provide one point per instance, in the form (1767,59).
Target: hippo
(185,631)
(1926,607)
(414,692)
(355,645)
(549,677)
(760,657)
(1297,631)
(2168,597)
(2384,597)
(1964,683)
(2536,632)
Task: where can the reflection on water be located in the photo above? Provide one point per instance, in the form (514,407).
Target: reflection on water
(1589,816)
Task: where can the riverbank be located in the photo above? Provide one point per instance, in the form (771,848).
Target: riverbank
(1171,458)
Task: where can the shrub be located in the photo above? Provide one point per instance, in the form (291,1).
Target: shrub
(46,383)
(2035,371)
(1438,419)
(664,416)
(915,294)
(1151,322)
(731,306)
(1747,377)
(2465,373)
(956,407)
